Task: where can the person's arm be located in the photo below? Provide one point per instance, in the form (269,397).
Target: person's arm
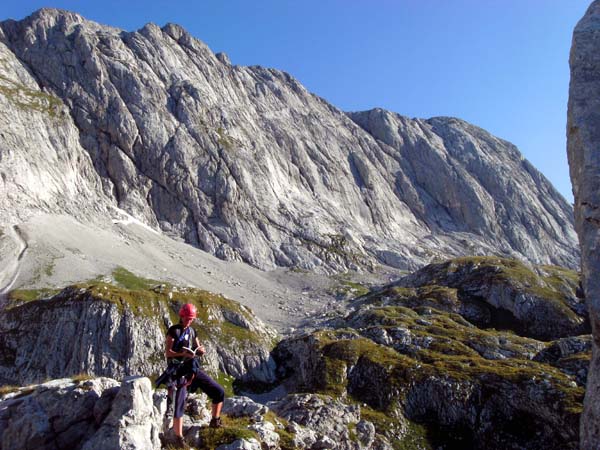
(169,353)
(200,348)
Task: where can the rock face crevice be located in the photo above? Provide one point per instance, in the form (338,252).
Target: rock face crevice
(583,137)
(246,164)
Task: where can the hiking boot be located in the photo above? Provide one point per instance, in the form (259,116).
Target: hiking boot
(215,422)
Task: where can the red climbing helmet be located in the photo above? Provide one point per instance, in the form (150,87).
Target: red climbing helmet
(188,310)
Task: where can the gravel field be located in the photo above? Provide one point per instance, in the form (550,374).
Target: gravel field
(55,251)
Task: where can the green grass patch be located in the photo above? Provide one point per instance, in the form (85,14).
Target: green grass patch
(414,438)
(348,288)
(352,434)
(227,382)
(126,279)
(286,438)
(20,296)
(233,429)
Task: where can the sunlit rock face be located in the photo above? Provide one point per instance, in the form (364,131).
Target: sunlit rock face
(248,165)
(583,133)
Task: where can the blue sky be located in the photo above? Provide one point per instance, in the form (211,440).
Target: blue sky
(499,64)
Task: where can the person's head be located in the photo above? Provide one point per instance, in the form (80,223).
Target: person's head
(187,314)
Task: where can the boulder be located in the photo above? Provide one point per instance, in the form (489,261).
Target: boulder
(91,414)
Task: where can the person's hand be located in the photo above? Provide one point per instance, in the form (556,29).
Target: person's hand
(200,350)
(189,381)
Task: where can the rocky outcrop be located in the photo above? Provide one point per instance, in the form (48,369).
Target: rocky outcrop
(542,302)
(92,414)
(584,164)
(101,413)
(104,330)
(456,395)
(434,360)
(244,163)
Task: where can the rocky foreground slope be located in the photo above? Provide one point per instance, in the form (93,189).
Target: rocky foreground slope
(245,163)
(421,363)
(442,374)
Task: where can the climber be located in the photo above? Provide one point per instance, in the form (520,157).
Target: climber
(184,371)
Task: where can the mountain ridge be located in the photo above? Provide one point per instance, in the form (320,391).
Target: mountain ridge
(246,164)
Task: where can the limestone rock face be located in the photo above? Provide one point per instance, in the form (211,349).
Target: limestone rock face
(245,163)
(94,330)
(43,165)
(95,414)
(583,138)
(328,417)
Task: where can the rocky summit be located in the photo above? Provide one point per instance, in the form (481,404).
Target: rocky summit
(245,163)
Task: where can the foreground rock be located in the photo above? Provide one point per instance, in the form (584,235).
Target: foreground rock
(89,415)
(105,330)
(584,163)
(102,413)
(245,163)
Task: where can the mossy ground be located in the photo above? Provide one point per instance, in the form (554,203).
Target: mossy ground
(233,429)
(21,296)
(343,286)
(286,438)
(451,355)
(151,299)
(226,381)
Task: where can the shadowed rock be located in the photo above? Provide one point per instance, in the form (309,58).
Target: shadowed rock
(583,140)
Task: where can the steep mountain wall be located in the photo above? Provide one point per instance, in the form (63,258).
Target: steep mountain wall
(583,139)
(245,163)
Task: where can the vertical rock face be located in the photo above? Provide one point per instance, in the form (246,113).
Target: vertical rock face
(583,132)
(246,164)
(43,167)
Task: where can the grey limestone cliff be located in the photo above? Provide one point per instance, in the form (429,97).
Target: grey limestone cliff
(583,138)
(245,163)
(103,330)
